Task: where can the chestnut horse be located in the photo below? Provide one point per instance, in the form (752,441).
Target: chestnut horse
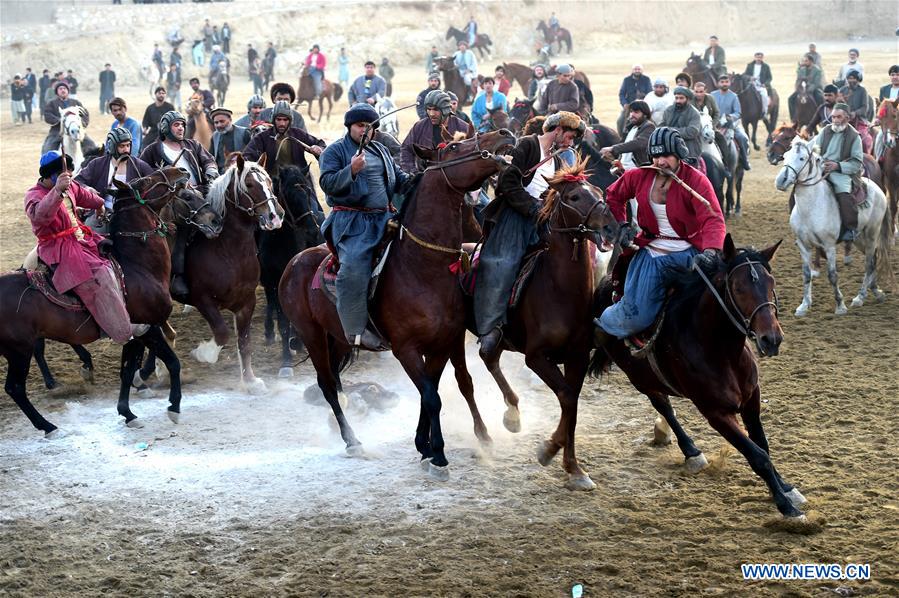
(198,127)
(555,37)
(141,249)
(701,353)
(418,306)
(306,93)
(888,113)
(551,324)
(519,73)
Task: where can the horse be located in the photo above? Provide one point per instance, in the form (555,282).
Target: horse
(142,252)
(303,217)
(599,173)
(452,80)
(805,105)
(482,41)
(198,124)
(388,124)
(71,130)
(519,114)
(551,325)
(815,220)
(519,73)
(888,113)
(751,109)
(220,81)
(418,305)
(733,169)
(306,93)
(558,36)
(700,352)
(699,70)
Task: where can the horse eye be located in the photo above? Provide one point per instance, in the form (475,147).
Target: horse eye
(453,147)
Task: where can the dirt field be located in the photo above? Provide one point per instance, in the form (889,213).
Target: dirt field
(254,495)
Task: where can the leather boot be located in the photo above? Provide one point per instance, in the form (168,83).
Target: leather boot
(179,285)
(490,342)
(368,340)
(848,217)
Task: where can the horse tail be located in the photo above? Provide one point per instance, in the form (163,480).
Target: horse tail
(487,39)
(338,91)
(600,363)
(882,254)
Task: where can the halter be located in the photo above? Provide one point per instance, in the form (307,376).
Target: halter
(744,324)
(797,182)
(479,154)
(580,231)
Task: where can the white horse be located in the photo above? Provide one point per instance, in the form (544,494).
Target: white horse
(72,132)
(707,134)
(816,222)
(389,124)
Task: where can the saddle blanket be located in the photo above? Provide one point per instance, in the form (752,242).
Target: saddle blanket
(40,276)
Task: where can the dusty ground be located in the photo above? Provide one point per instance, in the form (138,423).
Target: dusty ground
(254,496)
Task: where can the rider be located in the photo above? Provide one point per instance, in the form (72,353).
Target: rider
(358,187)
(284,92)
(172,149)
(216,61)
(472,30)
(554,23)
(685,119)
(672,227)
(537,87)
(811,74)
(255,106)
(315,62)
(822,114)
(890,92)
(283,144)
(51,117)
(561,94)
(437,127)
(705,102)
(488,101)
(659,100)
(433,83)
(760,73)
(458,112)
(634,87)
(116,163)
(227,138)
(729,104)
(855,95)
(466,64)
(714,57)
(841,147)
(852,65)
(510,220)
(632,151)
(64,242)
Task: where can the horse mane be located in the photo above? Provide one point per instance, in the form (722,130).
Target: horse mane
(884,106)
(218,190)
(573,173)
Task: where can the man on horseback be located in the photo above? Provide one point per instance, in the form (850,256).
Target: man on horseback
(852,65)
(284,92)
(856,97)
(510,221)
(284,145)
(704,102)
(684,118)
(810,74)
(674,229)
(433,84)
(368,87)
(633,150)
(439,126)
(472,30)
(561,94)
(316,62)
(729,104)
(554,24)
(51,117)
(760,74)
(825,110)
(172,149)
(466,64)
(72,249)
(216,61)
(227,138)
(359,185)
(714,57)
(116,163)
(255,106)
(841,147)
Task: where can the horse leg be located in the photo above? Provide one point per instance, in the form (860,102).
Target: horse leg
(428,436)
(146,370)
(512,416)
(693,457)
(208,352)
(753,424)
(18,365)
(466,387)
(155,342)
(271,294)
(87,363)
(726,425)
(286,370)
(835,281)
(242,321)
(132,351)
(738,211)
(41,361)
(755,131)
(563,437)
(806,255)
(869,280)
(324,359)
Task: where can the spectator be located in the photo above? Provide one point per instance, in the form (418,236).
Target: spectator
(17,99)
(152,115)
(197,52)
(367,87)
(207,35)
(386,72)
(44,84)
(157,60)
(173,85)
(119,111)
(73,84)
(503,85)
(343,74)
(635,86)
(429,60)
(226,38)
(30,89)
(252,56)
(107,87)
(175,57)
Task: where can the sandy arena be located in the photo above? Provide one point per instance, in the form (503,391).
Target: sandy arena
(256,496)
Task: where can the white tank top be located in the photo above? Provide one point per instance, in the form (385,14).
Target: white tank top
(665,246)
(538,184)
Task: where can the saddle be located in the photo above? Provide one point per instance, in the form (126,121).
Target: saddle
(325,279)
(640,344)
(40,278)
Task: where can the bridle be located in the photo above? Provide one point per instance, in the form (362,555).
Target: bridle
(743,324)
(781,144)
(238,193)
(800,183)
(161,229)
(479,154)
(579,232)
(294,221)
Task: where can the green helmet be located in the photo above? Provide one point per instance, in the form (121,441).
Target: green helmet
(439,99)
(165,123)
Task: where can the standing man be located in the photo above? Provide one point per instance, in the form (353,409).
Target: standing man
(284,92)
(714,57)
(430,58)
(316,62)
(119,111)
(684,118)
(43,85)
(634,87)
(227,137)
(207,35)
(157,60)
(152,114)
(73,84)
(175,57)
(173,84)
(562,93)
(634,150)
(51,117)
(226,38)
(270,55)
(283,144)
(659,100)
(760,74)
(438,126)
(107,86)
(343,69)
(386,72)
(31,84)
(433,83)
(467,65)
(358,187)
(366,87)
(729,105)
(208,98)
(503,85)
(255,106)
(252,55)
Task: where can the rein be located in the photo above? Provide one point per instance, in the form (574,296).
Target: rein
(744,324)
(161,229)
(581,230)
(796,173)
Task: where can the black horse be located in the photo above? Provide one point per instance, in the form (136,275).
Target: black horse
(302,221)
(600,173)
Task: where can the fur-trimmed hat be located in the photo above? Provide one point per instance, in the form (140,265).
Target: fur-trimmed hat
(283,88)
(566,120)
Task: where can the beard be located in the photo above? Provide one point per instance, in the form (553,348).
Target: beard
(838,128)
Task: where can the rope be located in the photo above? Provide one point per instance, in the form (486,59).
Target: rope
(464,259)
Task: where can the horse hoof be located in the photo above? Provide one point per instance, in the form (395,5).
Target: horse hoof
(512,420)
(661,433)
(135,424)
(801,311)
(425,463)
(441,474)
(857,301)
(54,434)
(269,340)
(545,453)
(137,381)
(174,416)
(814,273)
(580,482)
(796,497)
(696,464)
(87,374)
(841,310)
(207,352)
(256,387)
(145,393)
(355,450)
(285,372)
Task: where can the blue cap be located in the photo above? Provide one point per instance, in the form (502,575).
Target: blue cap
(49,157)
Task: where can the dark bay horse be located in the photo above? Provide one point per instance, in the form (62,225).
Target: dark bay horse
(751,109)
(482,41)
(888,113)
(306,93)
(520,112)
(701,353)
(452,80)
(519,73)
(302,218)
(805,105)
(599,170)
(223,273)
(551,323)
(141,249)
(419,306)
(699,70)
(733,169)
(559,36)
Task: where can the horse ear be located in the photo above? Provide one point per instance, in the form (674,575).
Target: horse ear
(804,133)
(262,160)
(240,161)
(768,253)
(120,185)
(730,250)
(425,153)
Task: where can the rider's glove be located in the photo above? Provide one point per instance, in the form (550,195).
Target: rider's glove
(627,232)
(707,259)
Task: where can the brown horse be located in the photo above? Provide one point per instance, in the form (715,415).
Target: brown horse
(198,127)
(888,113)
(555,36)
(699,70)
(482,41)
(418,305)
(519,73)
(805,105)
(306,93)
(452,80)
(701,353)
(223,273)
(551,323)
(141,249)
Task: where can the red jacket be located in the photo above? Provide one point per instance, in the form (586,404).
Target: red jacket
(316,60)
(57,243)
(702,227)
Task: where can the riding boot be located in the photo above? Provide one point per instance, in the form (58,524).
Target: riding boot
(179,285)
(744,153)
(848,216)
(601,338)
(490,342)
(368,340)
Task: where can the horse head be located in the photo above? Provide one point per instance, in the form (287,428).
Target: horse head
(519,114)
(71,124)
(707,130)
(195,105)
(468,162)
(191,206)
(246,186)
(802,163)
(888,115)
(451,32)
(444,63)
(781,139)
(298,200)
(156,190)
